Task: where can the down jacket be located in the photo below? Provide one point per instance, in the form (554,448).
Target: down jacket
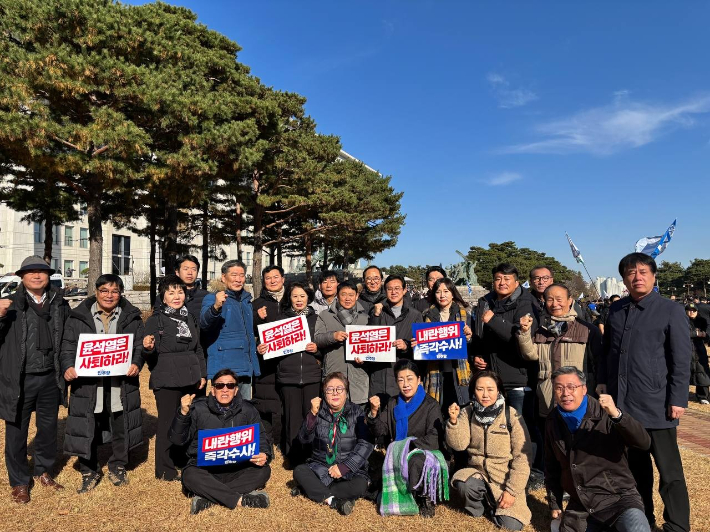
(424,424)
(80,426)
(303,367)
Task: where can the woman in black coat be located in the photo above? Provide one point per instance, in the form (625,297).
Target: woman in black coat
(336,472)
(298,375)
(177,365)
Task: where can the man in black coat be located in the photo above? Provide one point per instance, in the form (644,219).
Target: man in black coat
(103,404)
(187,268)
(31,329)
(229,485)
(645,367)
(372,293)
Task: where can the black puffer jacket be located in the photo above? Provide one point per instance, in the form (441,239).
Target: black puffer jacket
(273,313)
(369,299)
(174,362)
(81,421)
(302,367)
(13,346)
(424,424)
(205,414)
(496,342)
(699,370)
(354,446)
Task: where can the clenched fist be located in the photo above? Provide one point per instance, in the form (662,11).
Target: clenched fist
(378,309)
(315,405)
(454,411)
(374,405)
(5,305)
(262,313)
(340,336)
(607,403)
(526,322)
(185,403)
(219,299)
(149,342)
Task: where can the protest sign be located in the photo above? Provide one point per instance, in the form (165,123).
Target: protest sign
(371,343)
(439,341)
(103,355)
(227,446)
(284,337)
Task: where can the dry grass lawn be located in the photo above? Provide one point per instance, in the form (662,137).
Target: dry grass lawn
(148,504)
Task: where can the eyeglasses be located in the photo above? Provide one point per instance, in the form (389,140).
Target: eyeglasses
(331,391)
(394,289)
(105,292)
(373,279)
(221,385)
(569,387)
(543,278)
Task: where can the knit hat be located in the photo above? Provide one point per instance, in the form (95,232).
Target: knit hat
(34,262)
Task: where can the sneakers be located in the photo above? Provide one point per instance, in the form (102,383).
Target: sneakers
(704,402)
(295,492)
(427,509)
(89,481)
(119,476)
(344,506)
(255,499)
(536,481)
(198,504)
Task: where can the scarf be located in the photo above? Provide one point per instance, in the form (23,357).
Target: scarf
(44,336)
(373,297)
(485,415)
(303,312)
(179,316)
(404,409)
(278,296)
(574,419)
(340,424)
(346,316)
(396,497)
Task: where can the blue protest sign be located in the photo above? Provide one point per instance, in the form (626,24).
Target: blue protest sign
(227,446)
(439,341)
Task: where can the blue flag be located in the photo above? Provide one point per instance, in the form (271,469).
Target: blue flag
(655,245)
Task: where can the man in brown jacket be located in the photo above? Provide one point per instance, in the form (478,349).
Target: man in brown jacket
(586,455)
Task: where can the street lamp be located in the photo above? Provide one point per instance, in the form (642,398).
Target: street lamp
(687,287)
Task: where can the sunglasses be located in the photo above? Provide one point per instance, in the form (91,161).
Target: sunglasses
(228,385)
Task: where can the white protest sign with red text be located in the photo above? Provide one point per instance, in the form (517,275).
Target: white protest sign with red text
(371,343)
(284,337)
(103,355)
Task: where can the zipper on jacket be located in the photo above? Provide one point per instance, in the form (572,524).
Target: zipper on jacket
(300,382)
(485,447)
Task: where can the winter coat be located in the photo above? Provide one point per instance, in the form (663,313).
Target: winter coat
(354,446)
(699,370)
(646,358)
(500,453)
(229,335)
(303,367)
(13,347)
(369,299)
(382,380)
(80,425)
(267,368)
(205,414)
(424,424)
(579,345)
(496,342)
(174,362)
(592,465)
(333,351)
(319,303)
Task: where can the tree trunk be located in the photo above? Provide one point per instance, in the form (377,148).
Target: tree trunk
(239,231)
(272,256)
(346,274)
(205,242)
(308,241)
(153,273)
(279,250)
(325,256)
(48,237)
(96,240)
(171,236)
(258,236)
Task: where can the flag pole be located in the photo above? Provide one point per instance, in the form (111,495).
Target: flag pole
(591,282)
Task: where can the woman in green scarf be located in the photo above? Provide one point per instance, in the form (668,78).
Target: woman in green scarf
(336,472)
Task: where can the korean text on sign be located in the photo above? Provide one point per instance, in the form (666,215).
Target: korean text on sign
(284,337)
(103,355)
(371,343)
(227,446)
(439,341)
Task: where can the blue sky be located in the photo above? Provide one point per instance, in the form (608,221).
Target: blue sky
(505,120)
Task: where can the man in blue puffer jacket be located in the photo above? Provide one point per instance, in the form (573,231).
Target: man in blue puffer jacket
(227,320)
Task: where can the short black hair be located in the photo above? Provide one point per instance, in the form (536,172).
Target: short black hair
(404,364)
(234,263)
(109,278)
(395,277)
(272,267)
(370,267)
(632,259)
(168,282)
(348,283)
(490,374)
(558,285)
(226,372)
(187,258)
(541,267)
(325,274)
(506,269)
(434,269)
(614,297)
(286,299)
(569,370)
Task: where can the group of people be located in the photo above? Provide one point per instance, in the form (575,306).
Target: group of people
(543,397)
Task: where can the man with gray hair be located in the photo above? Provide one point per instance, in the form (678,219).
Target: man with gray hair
(228,323)
(586,455)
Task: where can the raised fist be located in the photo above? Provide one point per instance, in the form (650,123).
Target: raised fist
(454,413)
(219,299)
(525,323)
(5,305)
(378,309)
(185,403)
(315,405)
(374,404)
(149,342)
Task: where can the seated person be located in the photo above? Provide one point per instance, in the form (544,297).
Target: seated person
(336,472)
(229,485)
(586,455)
(499,452)
(412,418)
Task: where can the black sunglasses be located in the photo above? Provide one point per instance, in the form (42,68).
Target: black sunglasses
(228,385)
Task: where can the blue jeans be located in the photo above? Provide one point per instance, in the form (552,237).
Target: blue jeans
(632,520)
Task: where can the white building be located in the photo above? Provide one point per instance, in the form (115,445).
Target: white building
(609,286)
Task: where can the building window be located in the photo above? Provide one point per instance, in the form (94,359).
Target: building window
(248,258)
(68,235)
(121,255)
(68,268)
(38,233)
(83,268)
(55,265)
(83,238)
(56,234)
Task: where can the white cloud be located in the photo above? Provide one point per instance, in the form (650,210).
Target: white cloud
(621,125)
(509,97)
(504,178)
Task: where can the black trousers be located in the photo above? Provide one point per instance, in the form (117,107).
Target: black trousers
(415,466)
(119,446)
(268,403)
(672,487)
(701,392)
(296,405)
(316,491)
(38,393)
(478,500)
(167,456)
(223,486)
